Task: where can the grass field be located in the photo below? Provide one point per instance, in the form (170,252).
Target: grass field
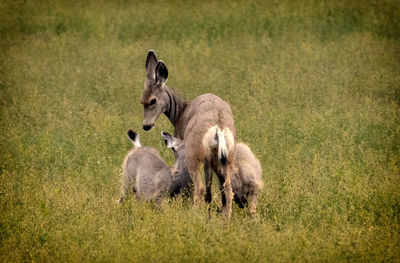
(315,91)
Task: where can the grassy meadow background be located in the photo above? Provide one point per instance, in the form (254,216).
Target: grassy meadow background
(315,91)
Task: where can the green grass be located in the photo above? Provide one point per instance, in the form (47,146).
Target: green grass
(315,91)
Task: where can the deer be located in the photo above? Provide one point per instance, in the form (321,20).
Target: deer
(197,123)
(146,174)
(246,179)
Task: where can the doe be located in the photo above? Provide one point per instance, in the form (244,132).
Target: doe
(196,123)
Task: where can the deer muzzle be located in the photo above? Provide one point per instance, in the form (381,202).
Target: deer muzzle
(147,127)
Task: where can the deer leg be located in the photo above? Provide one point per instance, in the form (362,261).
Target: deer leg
(198,187)
(194,158)
(194,171)
(228,189)
(208,181)
(221,189)
(253,202)
(126,183)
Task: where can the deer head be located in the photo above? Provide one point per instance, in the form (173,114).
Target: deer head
(154,99)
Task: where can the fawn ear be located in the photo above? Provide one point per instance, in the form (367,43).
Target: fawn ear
(161,73)
(170,141)
(134,137)
(151,63)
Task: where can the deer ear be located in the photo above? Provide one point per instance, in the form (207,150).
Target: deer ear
(161,73)
(169,140)
(151,63)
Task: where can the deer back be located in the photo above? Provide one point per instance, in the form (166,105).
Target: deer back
(150,174)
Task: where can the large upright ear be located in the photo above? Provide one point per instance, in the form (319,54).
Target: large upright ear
(170,141)
(161,73)
(151,63)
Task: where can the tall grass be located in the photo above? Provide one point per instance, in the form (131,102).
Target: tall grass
(314,87)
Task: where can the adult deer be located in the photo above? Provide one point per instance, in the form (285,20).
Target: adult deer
(197,123)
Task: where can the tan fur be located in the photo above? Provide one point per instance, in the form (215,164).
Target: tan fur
(192,121)
(250,172)
(196,126)
(146,174)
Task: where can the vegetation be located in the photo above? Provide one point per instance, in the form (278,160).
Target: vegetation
(315,92)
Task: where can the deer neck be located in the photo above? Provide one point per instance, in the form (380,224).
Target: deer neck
(175,106)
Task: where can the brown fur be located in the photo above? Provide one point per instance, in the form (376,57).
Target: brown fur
(191,121)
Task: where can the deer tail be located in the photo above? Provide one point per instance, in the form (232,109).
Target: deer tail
(222,149)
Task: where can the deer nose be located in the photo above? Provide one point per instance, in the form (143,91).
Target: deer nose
(147,127)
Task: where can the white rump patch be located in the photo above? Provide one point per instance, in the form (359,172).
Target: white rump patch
(225,139)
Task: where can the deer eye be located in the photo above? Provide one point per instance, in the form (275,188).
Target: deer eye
(152,102)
